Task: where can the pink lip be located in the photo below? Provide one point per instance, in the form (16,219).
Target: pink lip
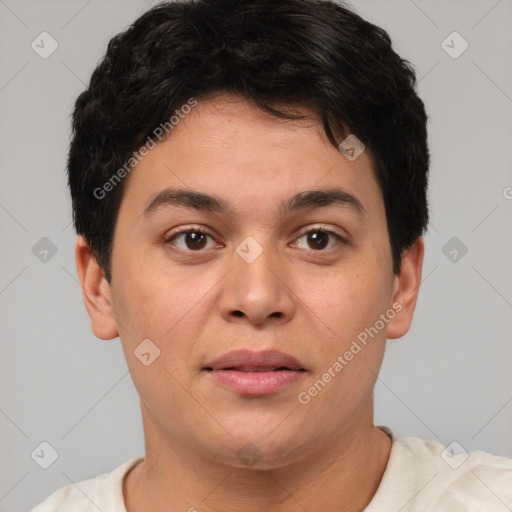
(255,373)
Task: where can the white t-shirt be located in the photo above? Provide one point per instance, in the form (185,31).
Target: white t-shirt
(420,476)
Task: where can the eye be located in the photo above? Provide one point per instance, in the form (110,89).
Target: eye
(193,239)
(318,239)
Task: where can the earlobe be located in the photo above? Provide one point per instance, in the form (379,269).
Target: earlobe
(406,288)
(95,292)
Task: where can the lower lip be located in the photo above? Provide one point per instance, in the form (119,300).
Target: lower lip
(256,383)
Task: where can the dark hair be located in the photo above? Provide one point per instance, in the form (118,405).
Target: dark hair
(312,53)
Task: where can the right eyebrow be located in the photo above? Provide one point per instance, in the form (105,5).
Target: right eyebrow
(188,199)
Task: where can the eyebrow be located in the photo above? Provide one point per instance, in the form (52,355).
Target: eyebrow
(211,203)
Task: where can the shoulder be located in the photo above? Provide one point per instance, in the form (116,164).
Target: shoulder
(454,466)
(426,475)
(103,491)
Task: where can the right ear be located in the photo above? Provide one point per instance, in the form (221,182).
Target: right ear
(95,291)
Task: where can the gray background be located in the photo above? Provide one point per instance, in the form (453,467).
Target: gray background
(448,379)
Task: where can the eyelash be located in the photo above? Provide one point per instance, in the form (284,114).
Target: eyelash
(322,229)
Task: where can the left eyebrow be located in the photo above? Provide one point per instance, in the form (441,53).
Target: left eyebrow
(321,199)
(211,203)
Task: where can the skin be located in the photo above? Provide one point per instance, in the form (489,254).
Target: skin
(313,455)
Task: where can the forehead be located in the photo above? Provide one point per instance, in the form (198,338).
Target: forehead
(228,148)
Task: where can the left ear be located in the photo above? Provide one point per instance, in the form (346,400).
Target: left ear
(406,288)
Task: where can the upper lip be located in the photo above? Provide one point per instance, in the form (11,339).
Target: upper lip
(243,359)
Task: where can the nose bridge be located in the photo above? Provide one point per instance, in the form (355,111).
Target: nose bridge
(257,286)
(255,265)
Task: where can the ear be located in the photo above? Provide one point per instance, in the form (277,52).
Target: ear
(95,292)
(406,288)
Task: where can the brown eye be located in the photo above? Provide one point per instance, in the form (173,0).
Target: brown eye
(318,240)
(192,240)
(195,240)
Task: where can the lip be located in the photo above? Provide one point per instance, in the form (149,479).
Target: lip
(255,373)
(238,359)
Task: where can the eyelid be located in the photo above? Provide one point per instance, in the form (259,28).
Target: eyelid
(189,229)
(325,228)
(340,242)
(193,228)
(343,240)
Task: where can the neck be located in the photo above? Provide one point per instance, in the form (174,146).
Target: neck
(347,472)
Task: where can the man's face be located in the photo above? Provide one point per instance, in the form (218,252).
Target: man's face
(197,297)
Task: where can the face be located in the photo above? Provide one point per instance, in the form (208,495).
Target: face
(255,272)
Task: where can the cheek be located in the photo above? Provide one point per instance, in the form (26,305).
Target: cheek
(351,358)
(152,307)
(146,294)
(349,302)
(168,305)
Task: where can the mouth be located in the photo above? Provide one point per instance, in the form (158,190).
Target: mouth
(250,361)
(251,369)
(255,373)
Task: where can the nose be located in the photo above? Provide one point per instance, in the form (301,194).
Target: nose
(258,289)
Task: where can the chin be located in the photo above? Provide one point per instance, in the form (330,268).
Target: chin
(253,448)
